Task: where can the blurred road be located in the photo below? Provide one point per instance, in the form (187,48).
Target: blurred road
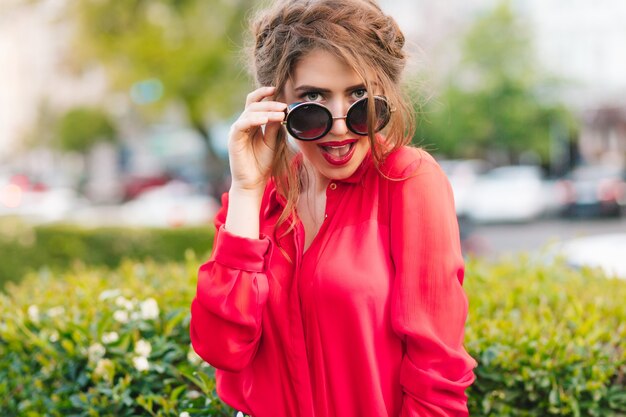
(496,240)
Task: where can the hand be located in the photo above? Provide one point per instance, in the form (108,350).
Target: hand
(250,147)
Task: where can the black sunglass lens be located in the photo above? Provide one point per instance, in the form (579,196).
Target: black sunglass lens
(357,119)
(382,113)
(308,122)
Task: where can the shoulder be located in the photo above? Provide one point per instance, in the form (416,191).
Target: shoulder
(413,177)
(407,161)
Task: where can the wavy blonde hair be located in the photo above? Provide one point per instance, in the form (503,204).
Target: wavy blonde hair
(355,31)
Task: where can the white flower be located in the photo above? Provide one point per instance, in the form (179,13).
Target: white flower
(141,363)
(149,309)
(239,414)
(56,311)
(143,348)
(33,313)
(106,294)
(120,301)
(139,270)
(121,316)
(96,352)
(54,336)
(124,303)
(184,414)
(193,394)
(104,368)
(110,337)
(134,316)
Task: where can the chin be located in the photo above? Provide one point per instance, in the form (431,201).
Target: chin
(341,172)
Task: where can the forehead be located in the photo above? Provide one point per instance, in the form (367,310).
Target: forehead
(320,68)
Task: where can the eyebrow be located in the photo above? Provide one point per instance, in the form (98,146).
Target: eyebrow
(326,90)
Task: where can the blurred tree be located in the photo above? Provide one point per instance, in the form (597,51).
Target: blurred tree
(491,104)
(80,128)
(164,52)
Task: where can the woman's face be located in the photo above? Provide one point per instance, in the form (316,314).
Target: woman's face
(321,77)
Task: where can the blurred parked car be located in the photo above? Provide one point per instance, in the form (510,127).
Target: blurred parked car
(462,174)
(21,196)
(600,251)
(507,194)
(171,205)
(593,190)
(136,185)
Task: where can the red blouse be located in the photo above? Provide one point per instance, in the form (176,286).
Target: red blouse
(367,322)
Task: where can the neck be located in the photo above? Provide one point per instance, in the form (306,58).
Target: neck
(314,182)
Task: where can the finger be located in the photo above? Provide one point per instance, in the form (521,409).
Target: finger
(267,106)
(271,134)
(266,120)
(259,94)
(247,125)
(250,121)
(261,118)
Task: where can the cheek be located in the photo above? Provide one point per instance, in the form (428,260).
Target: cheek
(307,148)
(364,143)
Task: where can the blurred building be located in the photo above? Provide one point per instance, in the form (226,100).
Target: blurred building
(583,43)
(603,136)
(577,42)
(39,82)
(35,70)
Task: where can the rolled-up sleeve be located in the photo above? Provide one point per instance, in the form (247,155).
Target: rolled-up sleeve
(429,306)
(232,289)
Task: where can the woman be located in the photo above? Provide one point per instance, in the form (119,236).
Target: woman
(334,287)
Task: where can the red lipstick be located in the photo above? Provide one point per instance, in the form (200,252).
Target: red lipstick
(338,153)
(338,143)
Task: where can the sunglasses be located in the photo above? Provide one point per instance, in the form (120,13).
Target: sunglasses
(311,121)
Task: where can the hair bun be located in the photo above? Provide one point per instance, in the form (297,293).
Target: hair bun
(393,39)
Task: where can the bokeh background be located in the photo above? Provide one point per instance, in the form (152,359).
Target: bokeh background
(118,112)
(114,117)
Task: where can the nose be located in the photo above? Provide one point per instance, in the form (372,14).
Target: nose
(339,127)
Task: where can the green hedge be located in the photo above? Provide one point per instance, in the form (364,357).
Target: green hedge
(99,342)
(549,341)
(56,246)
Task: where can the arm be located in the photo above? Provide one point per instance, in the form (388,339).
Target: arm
(429,306)
(232,290)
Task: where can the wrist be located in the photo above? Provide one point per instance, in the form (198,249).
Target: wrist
(244,206)
(246,192)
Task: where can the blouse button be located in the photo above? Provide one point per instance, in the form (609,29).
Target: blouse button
(333,186)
